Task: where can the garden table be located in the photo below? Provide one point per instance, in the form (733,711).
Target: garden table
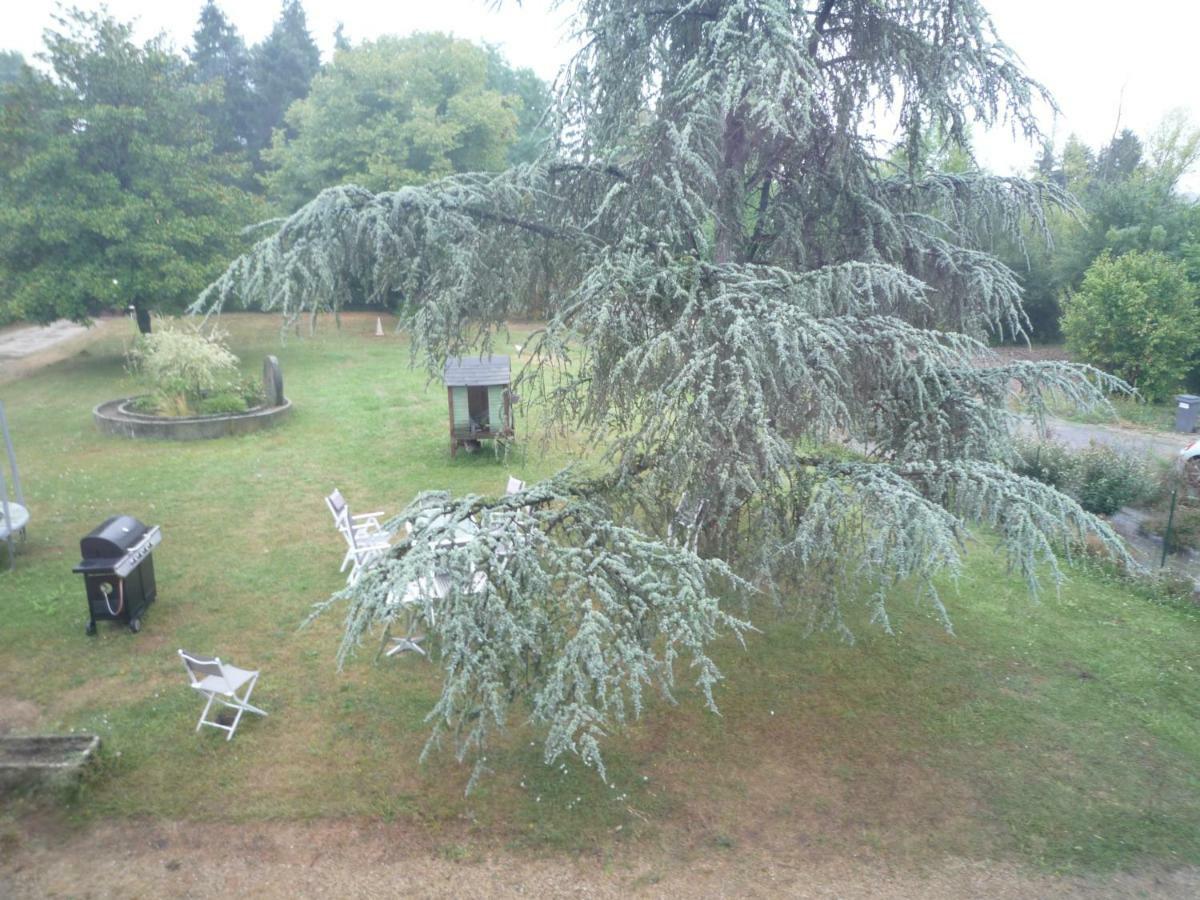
(424,588)
(464,532)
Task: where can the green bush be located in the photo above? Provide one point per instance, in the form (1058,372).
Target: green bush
(1135,316)
(250,389)
(147,403)
(221,402)
(1048,462)
(1100,478)
(1108,480)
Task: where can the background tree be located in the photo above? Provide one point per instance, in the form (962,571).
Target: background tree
(1120,159)
(12,67)
(769,336)
(1136,316)
(340,41)
(220,62)
(533,131)
(392,112)
(12,64)
(1131,200)
(110,193)
(1128,200)
(282,68)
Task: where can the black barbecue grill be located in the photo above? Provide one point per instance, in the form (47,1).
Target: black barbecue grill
(118,571)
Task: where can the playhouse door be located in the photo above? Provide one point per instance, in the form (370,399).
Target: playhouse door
(477,405)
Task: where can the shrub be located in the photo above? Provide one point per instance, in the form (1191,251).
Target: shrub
(250,389)
(1108,480)
(229,401)
(1100,478)
(1135,316)
(1048,462)
(147,403)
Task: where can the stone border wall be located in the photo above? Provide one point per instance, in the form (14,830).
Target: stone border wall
(116,418)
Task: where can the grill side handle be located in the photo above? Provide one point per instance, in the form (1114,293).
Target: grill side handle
(153,537)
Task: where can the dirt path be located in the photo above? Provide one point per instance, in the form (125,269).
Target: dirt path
(358,859)
(26,348)
(25,340)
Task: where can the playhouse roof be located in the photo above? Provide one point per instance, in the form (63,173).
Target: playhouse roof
(469,371)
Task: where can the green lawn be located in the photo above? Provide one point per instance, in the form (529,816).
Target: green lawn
(1061,732)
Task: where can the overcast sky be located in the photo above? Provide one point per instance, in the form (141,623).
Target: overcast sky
(1085,51)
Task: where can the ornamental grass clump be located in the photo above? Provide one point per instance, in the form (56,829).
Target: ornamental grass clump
(189,372)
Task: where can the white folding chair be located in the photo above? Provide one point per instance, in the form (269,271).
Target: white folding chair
(220,683)
(364,536)
(515,485)
(367,524)
(361,550)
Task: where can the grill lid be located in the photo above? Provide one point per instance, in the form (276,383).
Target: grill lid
(111,538)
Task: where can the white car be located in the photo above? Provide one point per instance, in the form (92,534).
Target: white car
(1189,464)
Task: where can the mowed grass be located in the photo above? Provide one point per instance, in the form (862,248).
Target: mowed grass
(1060,732)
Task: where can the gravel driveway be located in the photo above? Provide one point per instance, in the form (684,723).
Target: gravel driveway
(1078,436)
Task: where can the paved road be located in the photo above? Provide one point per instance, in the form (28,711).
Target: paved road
(1148,443)
(1127,522)
(30,339)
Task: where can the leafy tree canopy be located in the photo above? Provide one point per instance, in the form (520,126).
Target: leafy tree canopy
(770,334)
(110,193)
(1128,200)
(535,100)
(396,111)
(1136,316)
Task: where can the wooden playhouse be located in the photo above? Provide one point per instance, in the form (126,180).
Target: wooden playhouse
(477,389)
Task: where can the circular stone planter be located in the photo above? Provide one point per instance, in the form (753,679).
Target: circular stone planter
(116,417)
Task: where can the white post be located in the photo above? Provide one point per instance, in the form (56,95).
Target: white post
(6,510)
(378,327)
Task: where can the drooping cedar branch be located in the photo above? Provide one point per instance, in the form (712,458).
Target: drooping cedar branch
(772,335)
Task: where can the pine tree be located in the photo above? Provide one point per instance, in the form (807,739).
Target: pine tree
(1120,159)
(220,61)
(283,66)
(769,334)
(340,41)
